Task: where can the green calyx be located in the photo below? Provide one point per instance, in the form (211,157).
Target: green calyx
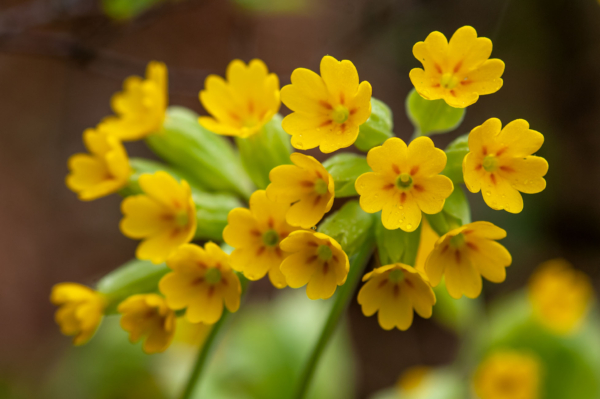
(340,114)
(270,238)
(457,241)
(182,219)
(396,276)
(490,163)
(404,181)
(212,276)
(324,252)
(321,187)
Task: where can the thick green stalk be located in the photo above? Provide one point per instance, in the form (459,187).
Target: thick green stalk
(342,299)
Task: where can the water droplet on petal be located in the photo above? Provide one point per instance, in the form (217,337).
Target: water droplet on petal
(409,226)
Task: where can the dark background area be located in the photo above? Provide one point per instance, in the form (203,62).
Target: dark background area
(61,60)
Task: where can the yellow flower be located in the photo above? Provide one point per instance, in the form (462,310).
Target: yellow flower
(560,295)
(426,245)
(315,259)
(255,234)
(508,374)
(147,315)
(193,334)
(500,163)
(103,171)
(405,182)
(80,310)
(459,71)
(465,254)
(307,185)
(141,106)
(242,104)
(413,378)
(164,216)
(394,290)
(328,109)
(201,281)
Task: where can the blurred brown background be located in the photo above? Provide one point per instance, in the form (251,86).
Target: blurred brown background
(61,60)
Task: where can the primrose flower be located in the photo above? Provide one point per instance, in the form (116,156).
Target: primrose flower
(147,315)
(255,234)
(395,290)
(241,105)
(404,182)
(164,216)
(508,374)
(459,71)
(317,261)
(307,185)
(560,296)
(103,171)
(141,106)
(328,109)
(201,281)
(500,163)
(80,310)
(465,254)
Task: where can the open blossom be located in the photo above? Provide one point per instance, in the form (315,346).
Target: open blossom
(404,182)
(242,104)
(394,291)
(560,295)
(500,163)
(508,374)
(103,171)
(147,316)
(328,109)
(255,234)
(317,261)
(307,185)
(164,217)
(202,282)
(458,71)
(141,106)
(465,254)
(80,311)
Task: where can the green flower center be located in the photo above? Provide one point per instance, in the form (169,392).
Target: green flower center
(270,238)
(321,187)
(404,181)
(212,275)
(340,114)
(457,241)
(396,276)
(324,252)
(448,81)
(490,163)
(182,219)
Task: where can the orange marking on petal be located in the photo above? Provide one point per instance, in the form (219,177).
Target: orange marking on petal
(419,188)
(438,68)
(402,198)
(506,169)
(343,127)
(211,291)
(325,104)
(319,175)
(312,244)
(444,249)
(234,116)
(307,183)
(395,168)
(278,251)
(409,283)
(198,281)
(251,107)
(202,265)
(311,259)
(396,290)
(388,187)
(457,256)
(472,246)
(435,85)
(453,93)
(493,178)
(466,82)
(260,250)
(325,268)
(224,281)
(335,259)
(478,167)
(484,150)
(342,99)
(255,232)
(467,231)
(271,222)
(501,151)
(327,122)
(316,201)
(353,111)
(414,170)
(382,283)
(457,67)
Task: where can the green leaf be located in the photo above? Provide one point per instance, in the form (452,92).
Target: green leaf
(345,169)
(429,117)
(349,226)
(456,152)
(211,213)
(396,245)
(377,128)
(438,223)
(457,205)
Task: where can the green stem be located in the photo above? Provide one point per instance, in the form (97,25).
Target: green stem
(206,350)
(342,299)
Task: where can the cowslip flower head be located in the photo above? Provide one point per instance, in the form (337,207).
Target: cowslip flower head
(500,163)
(241,105)
(103,171)
(255,234)
(560,296)
(328,109)
(464,255)
(317,261)
(80,311)
(141,106)
(394,291)
(458,71)
(164,217)
(202,281)
(307,185)
(508,374)
(405,181)
(148,316)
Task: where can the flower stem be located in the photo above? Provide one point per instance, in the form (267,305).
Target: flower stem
(342,299)
(207,349)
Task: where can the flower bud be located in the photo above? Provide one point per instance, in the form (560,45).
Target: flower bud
(345,169)
(349,226)
(377,128)
(455,153)
(397,246)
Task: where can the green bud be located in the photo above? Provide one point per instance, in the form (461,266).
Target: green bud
(212,210)
(208,157)
(457,206)
(429,117)
(345,168)
(350,226)
(456,152)
(377,128)
(396,246)
(134,277)
(264,150)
